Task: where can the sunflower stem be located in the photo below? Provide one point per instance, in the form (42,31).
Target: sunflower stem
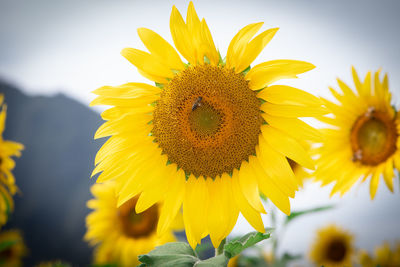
(219,250)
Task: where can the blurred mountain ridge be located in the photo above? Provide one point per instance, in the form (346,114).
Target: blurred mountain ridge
(53,173)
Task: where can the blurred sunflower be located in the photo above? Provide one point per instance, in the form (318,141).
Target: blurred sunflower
(384,256)
(13,248)
(364,136)
(211,135)
(333,247)
(8,149)
(121,235)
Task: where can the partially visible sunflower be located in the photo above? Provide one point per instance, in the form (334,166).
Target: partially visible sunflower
(211,135)
(384,256)
(15,249)
(363,139)
(333,247)
(121,235)
(8,149)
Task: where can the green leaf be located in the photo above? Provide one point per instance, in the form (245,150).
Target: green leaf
(7,244)
(246,70)
(218,261)
(235,247)
(296,214)
(160,85)
(177,254)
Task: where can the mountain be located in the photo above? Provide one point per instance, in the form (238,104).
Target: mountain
(52,174)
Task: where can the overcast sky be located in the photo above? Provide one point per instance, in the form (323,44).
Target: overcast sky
(74,47)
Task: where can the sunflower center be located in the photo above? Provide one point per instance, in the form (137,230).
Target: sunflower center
(336,251)
(207,120)
(137,225)
(373,137)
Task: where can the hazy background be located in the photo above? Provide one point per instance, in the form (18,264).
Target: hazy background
(72,47)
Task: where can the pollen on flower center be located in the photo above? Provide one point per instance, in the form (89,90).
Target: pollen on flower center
(207,120)
(373,137)
(137,225)
(336,251)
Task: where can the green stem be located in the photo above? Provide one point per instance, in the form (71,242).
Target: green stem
(220,249)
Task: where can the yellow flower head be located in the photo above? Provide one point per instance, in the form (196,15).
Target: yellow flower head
(121,235)
(333,247)
(363,138)
(16,250)
(384,256)
(211,135)
(8,149)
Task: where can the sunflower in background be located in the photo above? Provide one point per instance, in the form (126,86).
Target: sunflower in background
(8,149)
(120,234)
(384,256)
(333,247)
(211,135)
(13,248)
(363,139)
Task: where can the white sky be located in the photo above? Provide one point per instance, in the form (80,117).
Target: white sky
(74,47)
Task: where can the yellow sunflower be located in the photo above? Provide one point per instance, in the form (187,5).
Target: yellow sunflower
(384,256)
(8,149)
(211,135)
(12,255)
(333,247)
(363,139)
(121,235)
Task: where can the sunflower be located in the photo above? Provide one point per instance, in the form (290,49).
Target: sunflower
(121,235)
(384,256)
(13,248)
(211,135)
(363,138)
(8,149)
(333,247)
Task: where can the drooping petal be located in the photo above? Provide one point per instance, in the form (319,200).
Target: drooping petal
(173,201)
(287,146)
(251,215)
(248,183)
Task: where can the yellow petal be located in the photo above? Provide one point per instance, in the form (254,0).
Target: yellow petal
(293,127)
(161,49)
(388,174)
(180,33)
(232,211)
(373,186)
(277,167)
(211,51)
(292,111)
(282,94)
(251,215)
(195,206)
(268,72)
(287,146)
(248,183)
(172,203)
(254,48)
(269,188)
(238,43)
(128,90)
(218,218)
(146,63)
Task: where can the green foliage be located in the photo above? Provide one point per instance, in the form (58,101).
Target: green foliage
(235,247)
(296,214)
(7,244)
(180,254)
(246,70)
